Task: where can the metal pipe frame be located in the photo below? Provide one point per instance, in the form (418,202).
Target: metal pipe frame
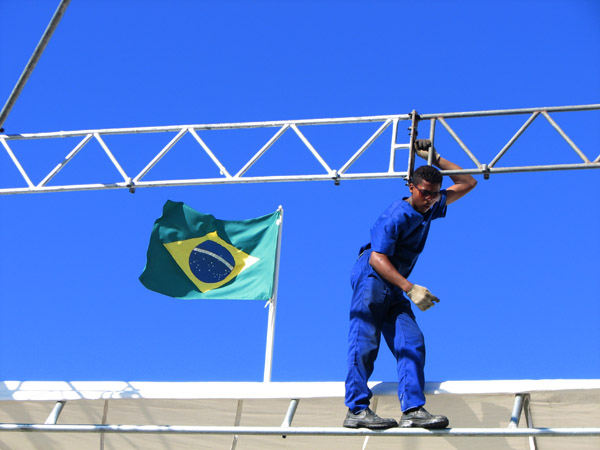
(55,414)
(35,57)
(328,173)
(300,431)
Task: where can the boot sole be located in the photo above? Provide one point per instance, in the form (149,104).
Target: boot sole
(353,424)
(428,426)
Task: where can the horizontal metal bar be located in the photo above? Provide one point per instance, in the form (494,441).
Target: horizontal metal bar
(506,112)
(219,126)
(288,178)
(297,431)
(280,123)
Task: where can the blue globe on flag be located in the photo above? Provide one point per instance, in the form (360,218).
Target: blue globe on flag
(210,262)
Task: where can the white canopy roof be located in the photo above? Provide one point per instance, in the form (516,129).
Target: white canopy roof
(201,415)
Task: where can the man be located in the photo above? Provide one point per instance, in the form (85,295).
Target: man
(380,289)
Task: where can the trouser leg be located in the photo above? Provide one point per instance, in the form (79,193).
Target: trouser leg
(405,339)
(369,304)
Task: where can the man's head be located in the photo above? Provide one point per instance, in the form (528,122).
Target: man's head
(425,186)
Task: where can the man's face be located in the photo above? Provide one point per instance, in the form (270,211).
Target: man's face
(424,195)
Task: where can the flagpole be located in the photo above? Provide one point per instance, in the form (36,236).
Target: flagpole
(273,305)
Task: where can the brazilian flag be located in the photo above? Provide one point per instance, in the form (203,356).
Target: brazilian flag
(196,256)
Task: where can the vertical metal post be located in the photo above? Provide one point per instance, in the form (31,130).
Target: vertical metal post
(411,150)
(37,53)
(529,420)
(273,305)
(104,418)
(431,138)
(238,419)
(394,145)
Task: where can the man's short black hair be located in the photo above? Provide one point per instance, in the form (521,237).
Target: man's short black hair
(427,173)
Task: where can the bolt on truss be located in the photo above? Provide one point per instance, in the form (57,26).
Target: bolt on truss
(132,181)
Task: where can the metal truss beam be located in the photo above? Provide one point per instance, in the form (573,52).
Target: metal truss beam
(300,431)
(133,181)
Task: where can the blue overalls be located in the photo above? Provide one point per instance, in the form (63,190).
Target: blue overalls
(379,307)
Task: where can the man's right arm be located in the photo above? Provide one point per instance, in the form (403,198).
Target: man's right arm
(419,295)
(383,266)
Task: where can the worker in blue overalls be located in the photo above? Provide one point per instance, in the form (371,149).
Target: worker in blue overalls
(380,289)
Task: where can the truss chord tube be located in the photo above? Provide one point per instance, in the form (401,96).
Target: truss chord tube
(299,431)
(265,147)
(67,159)
(17,163)
(160,155)
(365,146)
(35,57)
(219,126)
(312,149)
(459,141)
(286,178)
(508,112)
(112,158)
(280,123)
(565,137)
(513,139)
(209,153)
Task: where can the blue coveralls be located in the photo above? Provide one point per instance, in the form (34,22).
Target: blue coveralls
(379,307)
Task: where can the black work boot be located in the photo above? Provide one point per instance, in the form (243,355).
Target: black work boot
(368,419)
(420,418)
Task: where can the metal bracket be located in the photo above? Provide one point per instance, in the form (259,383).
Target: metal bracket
(53,417)
(522,404)
(289,416)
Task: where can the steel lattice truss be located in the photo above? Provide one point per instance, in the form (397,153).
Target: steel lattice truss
(136,180)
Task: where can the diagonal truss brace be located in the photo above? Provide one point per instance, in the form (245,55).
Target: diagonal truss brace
(328,173)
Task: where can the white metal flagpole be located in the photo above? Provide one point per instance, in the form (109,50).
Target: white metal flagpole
(273,304)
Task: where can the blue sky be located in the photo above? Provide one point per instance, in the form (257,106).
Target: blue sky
(515,263)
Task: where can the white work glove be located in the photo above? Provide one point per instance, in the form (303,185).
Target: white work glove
(422,149)
(421,297)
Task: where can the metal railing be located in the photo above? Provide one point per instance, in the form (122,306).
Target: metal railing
(136,180)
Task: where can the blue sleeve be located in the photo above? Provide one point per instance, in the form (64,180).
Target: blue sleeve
(390,227)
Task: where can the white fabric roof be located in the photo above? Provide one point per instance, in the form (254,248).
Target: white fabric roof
(468,404)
